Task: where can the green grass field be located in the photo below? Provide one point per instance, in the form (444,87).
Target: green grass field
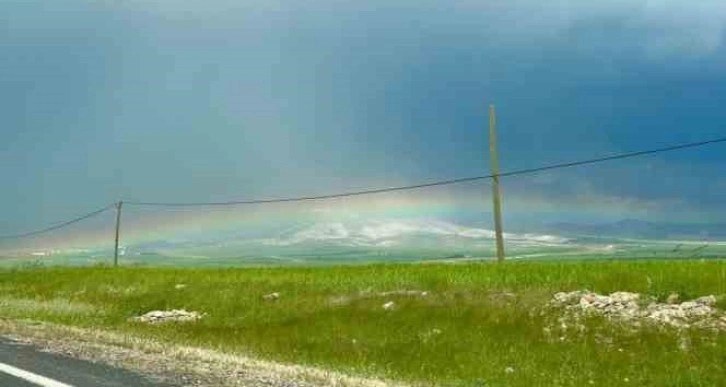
(480,323)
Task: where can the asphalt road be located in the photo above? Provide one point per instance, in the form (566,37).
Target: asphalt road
(23,365)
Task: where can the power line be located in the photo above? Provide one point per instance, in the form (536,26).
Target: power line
(57,226)
(304,198)
(375,191)
(615,157)
(438,183)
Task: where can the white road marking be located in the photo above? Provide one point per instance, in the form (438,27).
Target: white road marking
(31,377)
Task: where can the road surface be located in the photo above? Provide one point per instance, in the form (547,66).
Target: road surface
(23,365)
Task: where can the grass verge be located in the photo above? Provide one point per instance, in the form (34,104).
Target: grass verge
(477,324)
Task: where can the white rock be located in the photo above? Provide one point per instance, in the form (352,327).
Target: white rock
(563,298)
(560,297)
(271,296)
(669,316)
(700,311)
(404,293)
(161,316)
(706,300)
(624,297)
(625,306)
(588,299)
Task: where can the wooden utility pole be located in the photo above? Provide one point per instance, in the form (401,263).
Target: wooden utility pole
(496,194)
(119,205)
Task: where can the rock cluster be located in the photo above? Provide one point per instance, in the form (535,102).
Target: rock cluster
(700,312)
(162,316)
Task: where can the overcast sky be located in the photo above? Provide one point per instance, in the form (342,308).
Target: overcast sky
(161,100)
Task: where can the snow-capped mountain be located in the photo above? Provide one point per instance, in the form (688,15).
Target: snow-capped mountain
(379,233)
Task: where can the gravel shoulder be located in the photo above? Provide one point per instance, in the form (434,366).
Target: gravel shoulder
(19,358)
(172,364)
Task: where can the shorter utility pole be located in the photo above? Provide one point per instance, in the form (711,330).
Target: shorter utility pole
(496,194)
(119,205)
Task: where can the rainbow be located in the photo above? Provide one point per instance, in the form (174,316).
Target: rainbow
(146,224)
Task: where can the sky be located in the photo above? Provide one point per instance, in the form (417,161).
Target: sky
(214,100)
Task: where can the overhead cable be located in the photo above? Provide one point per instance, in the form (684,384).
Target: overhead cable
(59,225)
(436,183)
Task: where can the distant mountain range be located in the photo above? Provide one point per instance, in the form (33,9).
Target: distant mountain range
(390,236)
(633,228)
(410,239)
(398,232)
(362,238)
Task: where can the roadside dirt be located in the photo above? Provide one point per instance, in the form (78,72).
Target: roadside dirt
(178,365)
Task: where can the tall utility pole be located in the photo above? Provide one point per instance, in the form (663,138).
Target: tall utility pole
(496,194)
(119,205)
